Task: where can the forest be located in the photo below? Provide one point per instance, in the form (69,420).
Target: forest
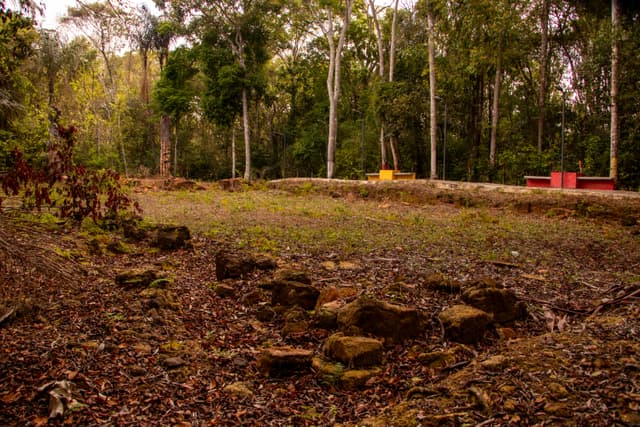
(475,90)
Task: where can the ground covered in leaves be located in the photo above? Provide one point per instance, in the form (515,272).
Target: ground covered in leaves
(77,348)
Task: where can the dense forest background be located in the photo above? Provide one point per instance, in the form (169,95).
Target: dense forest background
(463,90)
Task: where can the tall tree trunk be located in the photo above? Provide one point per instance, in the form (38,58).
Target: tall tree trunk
(333,83)
(544,59)
(247,136)
(393,140)
(433,119)
(175,148)
(144,84)
(495,110)
(615,58)
(376,22)
(121,141)
(165,146)
(475,128)
(233,151)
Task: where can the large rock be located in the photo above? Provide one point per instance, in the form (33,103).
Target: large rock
(366,315)
(289,294)
(284,361)
(335,374)
(330,294)
(354,352)
(296,321)
(464,324)
(132,230)
(136,278)
(233,266)
(172,237)
(491,298)
(326,316)
(288,275)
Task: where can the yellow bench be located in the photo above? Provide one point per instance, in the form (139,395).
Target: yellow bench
(390,175)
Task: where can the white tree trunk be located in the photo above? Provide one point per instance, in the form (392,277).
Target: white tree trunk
(233,151)
(615,57)
(376,23)
(247,139)
(392,68)
(433,119)
(333,83)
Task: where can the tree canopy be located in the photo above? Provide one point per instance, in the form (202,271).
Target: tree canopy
(498,73)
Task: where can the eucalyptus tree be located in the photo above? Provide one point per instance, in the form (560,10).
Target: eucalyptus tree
(335,30)
(615,64)
(381,69)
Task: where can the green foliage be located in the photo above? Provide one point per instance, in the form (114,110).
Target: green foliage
(173,94)
(17,36)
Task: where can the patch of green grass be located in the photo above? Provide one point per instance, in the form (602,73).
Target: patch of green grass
(114,316)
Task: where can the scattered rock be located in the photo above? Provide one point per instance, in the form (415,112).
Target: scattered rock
(173,362)
(118,247)
(136,278)
(329,371)
(284,361)
(132,231)
(334,293)
(464,324)
(336,375)
(234,266)
(264,262)
(295,322)
(172,237)
(356,379)
(438,359)
(438,282)
(326,316)
(367,315)
(241,390)
(354,351)
(495,300)
(292,276)
(224,291)
(288,294)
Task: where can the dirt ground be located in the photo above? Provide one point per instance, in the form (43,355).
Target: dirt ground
(76,348)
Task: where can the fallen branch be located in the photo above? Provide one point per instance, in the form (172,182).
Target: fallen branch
(503,264)
(7,315)
(614,301)
(555,307)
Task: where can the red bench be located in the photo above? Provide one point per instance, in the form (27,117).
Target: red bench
(571,180)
